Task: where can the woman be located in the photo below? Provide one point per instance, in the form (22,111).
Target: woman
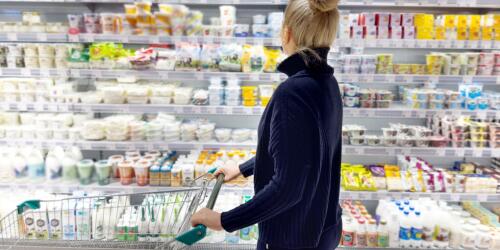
(297,166)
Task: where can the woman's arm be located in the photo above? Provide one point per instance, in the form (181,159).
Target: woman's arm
(290,130)
(247,167)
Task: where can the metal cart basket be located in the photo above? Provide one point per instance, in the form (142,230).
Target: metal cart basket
(152,220)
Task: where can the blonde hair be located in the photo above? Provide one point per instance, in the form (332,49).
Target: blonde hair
(313,23)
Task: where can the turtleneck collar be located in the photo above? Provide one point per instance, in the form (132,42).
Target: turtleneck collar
(306,61)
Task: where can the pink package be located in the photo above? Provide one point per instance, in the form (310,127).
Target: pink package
(485,70)
(396,19)
(407,19)
(487,58)
(383,32)
(409,32)
(354,19)
(397,32)
(367,18)
(371,32)
(383,19)
(497,58)
(357,32)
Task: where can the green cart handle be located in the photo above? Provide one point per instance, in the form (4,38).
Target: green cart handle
(200,231)
(31,204)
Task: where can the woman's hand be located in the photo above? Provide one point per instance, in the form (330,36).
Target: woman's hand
(231,172)
(207,217)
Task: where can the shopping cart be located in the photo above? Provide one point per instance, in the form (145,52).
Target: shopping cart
(152,220)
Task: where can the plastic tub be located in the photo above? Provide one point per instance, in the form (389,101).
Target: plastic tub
(479,136)
(367,104)
(390,132)
(372,140)
(459,143)
(357,140)
(383,104)
(478,143)
(478,127)
(85,169)
(103,170)
(454,104)
(367,95)
(438,104)
(423,142)
(406,142)
(438,141)
(141,169)
(114,161)
(384,95)
(126,172)
(419,104)
(351,102)
(459,136)
(389,141)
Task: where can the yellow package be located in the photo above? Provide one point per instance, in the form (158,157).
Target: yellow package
(450,21)
(417,181)
(462,33)
(462,21)
(496,21)
(272,54)
(130,9)
(393,178)
(474,33)
(474,21)
(357,178)
(424,33)
(487,33)
(245,58)
(440,32)
(496,31)
(419,20)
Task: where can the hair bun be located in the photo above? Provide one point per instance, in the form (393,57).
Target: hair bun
(323,5)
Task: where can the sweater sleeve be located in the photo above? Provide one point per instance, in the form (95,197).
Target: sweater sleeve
(288,133)
(247,167)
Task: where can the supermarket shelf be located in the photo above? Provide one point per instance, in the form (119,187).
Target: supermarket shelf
(417,44)
(257,77)
(116,187)
(344,3)
(366,43)
(184,146)
(394,112)
(378,195)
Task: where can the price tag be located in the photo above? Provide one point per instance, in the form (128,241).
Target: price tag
(22,106)
(12,37)
(45,72)
(482,197)
(63,108)
(467,79)
(39,107)
(25,72)
(62,73)
(5,106)
(275,77)
(390,78)
(73,38)
(473,44)
(41,37)
(52,107)
(208,39)
(110,146)
(154,39)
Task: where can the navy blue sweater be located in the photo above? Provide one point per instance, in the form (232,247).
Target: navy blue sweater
(297,166)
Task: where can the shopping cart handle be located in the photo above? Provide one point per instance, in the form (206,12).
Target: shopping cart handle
(32,204)
(192,236)
(200,231)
